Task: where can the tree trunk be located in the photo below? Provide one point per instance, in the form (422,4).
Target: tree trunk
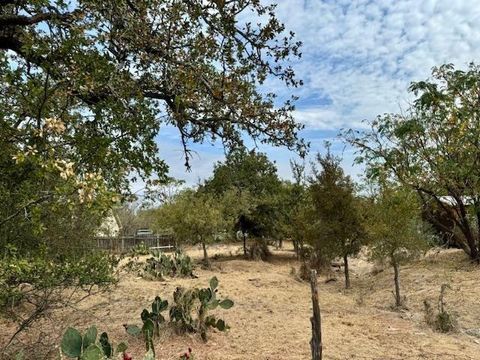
(396,270)
(465,227)
(347,274)
(472,246)
(205,255)
(244,243)
(469,242)
(477,239)
(295,248)
(316,341)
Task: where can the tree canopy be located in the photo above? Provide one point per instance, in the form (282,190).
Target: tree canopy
(434,149)
(339,229)
(395,229)
(246,171)
(248,185)
(194,217)
(87,85)
(111,72)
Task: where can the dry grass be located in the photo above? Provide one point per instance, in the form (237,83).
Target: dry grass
(270,319)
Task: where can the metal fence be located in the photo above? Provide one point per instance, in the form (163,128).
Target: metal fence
(125,243)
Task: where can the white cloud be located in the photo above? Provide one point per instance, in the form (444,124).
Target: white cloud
(363,54)
(318,118)
(359,57)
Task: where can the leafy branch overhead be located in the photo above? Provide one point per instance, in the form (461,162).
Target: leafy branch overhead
(114,71)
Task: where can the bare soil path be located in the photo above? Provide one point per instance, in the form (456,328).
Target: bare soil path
(270,319)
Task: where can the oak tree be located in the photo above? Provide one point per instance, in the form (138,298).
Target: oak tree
(87,85)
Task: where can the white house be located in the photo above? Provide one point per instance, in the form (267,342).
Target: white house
(110,225)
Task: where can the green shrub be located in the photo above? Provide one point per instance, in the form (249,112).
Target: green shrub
(33,284)
(23,276)
(442,320)
(259,250)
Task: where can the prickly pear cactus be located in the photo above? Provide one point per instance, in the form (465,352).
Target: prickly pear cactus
(186,301)
(151,322)
(90,337)
(72,343)
(76,346)
(93,352)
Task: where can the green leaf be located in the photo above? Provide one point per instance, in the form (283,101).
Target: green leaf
(148,327)
(90,337)
(213,283)
(106,346)
(213,304)
(122,347)
(145,315)
(210,321)
(221,325)
(226,304)
(93,352)
(157,305)
(149,355)
(72,343)
(204,295)
(163,305)
(133,330)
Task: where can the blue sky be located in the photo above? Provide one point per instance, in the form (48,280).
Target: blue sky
(359,58)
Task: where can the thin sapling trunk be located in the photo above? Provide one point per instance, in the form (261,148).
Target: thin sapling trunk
(205,255)
(396,270)
(347,273)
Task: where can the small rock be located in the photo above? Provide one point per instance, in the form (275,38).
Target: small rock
(473,332)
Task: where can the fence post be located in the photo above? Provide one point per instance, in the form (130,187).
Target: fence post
(316,341)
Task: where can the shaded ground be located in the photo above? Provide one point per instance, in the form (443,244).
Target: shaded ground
(270,319)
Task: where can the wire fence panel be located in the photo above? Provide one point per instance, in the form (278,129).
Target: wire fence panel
(125,243)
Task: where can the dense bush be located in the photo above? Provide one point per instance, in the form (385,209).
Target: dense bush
(26,277)
(259,250)
(33,285)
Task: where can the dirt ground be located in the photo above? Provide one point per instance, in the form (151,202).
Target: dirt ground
(270,319)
